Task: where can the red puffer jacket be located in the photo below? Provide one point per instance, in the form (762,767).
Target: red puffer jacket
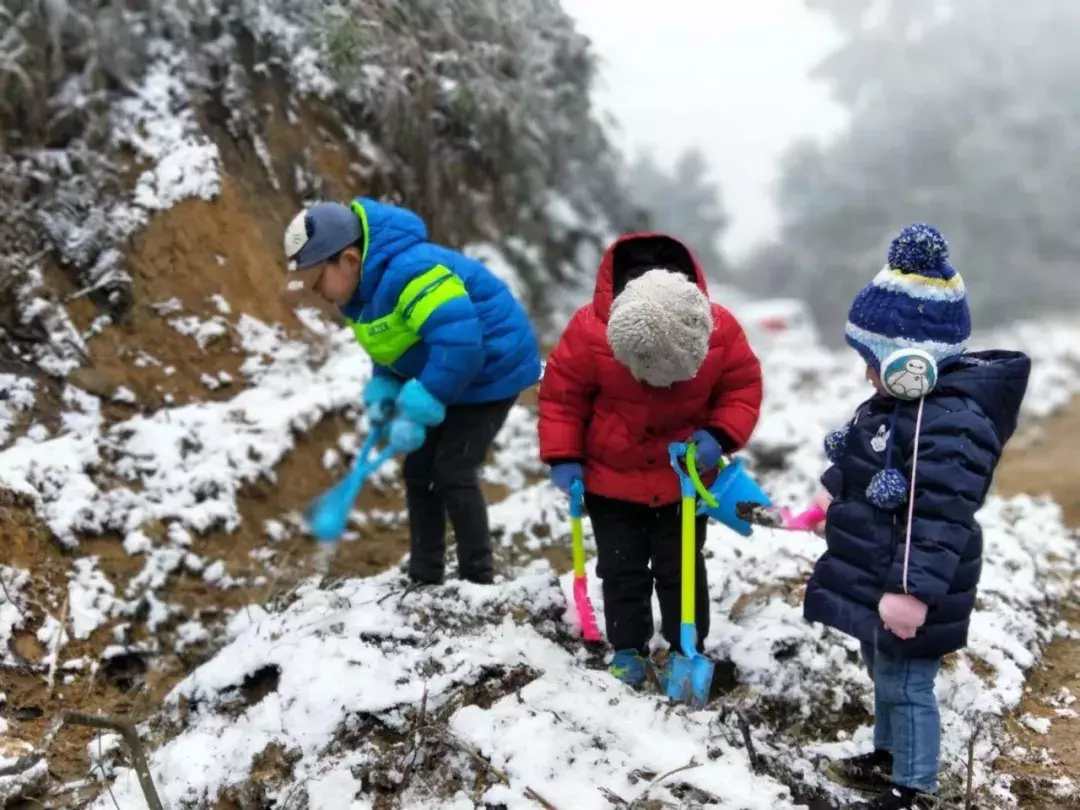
(592,409)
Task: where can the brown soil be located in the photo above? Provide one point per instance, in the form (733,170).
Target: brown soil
(230,247)
(1048,463)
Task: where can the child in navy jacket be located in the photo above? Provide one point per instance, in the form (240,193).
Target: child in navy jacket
(909,472)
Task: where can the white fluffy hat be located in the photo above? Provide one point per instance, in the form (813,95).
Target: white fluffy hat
(659,328)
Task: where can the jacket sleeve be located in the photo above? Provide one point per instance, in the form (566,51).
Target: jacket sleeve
(736,402)
(566,394)
(436,306)
(957,455)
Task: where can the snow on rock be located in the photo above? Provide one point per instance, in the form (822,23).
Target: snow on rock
(26,784)
(159,124)
(91,597)
(342,672)
(186,464)
(13,608)
(17,396)
(349,668)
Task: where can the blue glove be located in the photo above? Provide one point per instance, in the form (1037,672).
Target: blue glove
(563,474)
(417,405)
(379,396)
(708,450)
(406,436)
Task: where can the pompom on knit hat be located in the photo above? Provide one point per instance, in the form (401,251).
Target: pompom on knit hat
(917,301)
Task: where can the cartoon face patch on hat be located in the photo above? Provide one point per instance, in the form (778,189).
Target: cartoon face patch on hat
(909,374)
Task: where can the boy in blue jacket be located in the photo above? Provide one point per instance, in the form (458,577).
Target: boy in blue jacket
(452,350)
(909,472)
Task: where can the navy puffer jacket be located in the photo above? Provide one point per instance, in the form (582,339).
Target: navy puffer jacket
(967,419)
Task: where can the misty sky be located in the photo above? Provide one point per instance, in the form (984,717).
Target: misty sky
(728,76)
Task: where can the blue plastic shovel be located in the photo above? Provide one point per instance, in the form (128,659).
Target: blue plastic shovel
(328,515)
(691,674)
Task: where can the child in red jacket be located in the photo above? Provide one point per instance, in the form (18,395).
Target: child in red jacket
(649,362)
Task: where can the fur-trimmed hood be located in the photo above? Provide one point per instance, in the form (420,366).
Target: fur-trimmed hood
(631,256)
(651,294)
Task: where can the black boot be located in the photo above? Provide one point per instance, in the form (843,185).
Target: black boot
(868,772)
(898,798)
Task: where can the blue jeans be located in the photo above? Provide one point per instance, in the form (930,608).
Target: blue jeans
(907,720)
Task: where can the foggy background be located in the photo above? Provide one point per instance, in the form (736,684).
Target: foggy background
(789,141)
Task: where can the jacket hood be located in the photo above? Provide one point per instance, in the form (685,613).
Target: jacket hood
(389,230)
(996,380)
(631,256)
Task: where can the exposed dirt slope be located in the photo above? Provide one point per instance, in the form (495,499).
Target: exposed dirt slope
(229,248)
(1048,462)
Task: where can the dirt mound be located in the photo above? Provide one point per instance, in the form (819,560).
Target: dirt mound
(197,268)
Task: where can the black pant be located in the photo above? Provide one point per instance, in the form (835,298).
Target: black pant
(629,537)
(442,478)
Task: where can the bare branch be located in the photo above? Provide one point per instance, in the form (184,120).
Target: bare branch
(126,729)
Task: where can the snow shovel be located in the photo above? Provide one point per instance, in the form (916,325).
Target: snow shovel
(589,630)
(773,518)
(691,673)
(328,515)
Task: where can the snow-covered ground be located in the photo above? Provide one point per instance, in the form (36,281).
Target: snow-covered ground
(367,690)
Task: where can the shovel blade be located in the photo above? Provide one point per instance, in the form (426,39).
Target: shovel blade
(701,678)
(328,515)
(690,680)
(680,684)
(691,675)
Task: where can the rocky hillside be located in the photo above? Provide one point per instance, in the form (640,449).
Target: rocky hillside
(476,114)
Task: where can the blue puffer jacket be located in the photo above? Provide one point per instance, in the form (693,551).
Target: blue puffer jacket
(967,419)
(426,312)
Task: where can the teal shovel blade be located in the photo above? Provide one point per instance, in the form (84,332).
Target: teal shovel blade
(328,515)
(691,674)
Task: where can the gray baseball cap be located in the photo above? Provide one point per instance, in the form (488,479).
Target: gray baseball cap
(320,232)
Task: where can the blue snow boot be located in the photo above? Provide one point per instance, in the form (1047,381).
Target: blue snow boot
(629,667)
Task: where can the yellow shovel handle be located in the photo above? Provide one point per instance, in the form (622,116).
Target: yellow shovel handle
(689,558)
(577,545)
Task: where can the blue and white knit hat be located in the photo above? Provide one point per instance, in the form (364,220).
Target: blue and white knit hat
(917,301)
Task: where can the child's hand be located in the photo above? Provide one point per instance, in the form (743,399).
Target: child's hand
(822,499)
(708,450)
(902,614)
(563,474)
(417,404)
(379,396)
(406,436)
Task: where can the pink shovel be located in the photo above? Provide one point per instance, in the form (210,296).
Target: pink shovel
(774,518)
(589,630)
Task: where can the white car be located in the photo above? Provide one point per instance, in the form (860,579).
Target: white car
(777,321)
(768,322)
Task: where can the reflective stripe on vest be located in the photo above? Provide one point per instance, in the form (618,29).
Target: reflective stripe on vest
(387,338)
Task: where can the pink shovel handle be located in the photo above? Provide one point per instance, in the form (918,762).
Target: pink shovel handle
(805,521)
